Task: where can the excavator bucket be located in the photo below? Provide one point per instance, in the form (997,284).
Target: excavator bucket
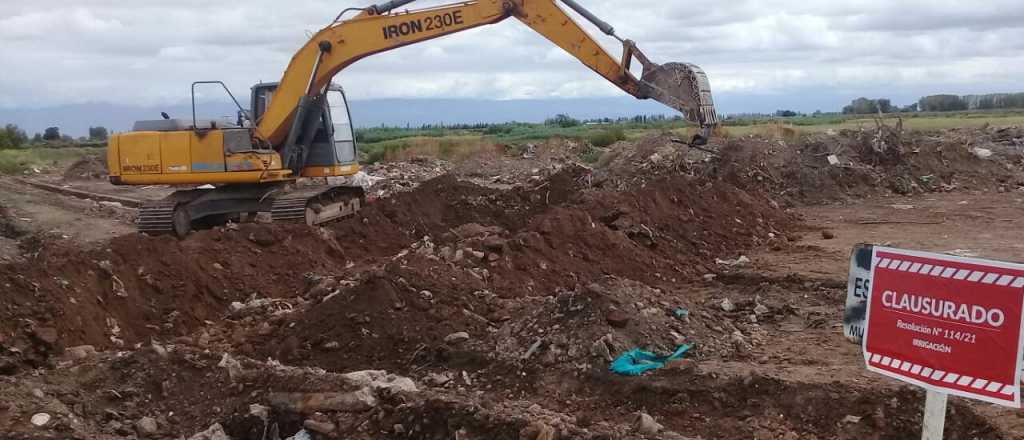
(684,87)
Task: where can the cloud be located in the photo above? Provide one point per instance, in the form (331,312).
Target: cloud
(148,52)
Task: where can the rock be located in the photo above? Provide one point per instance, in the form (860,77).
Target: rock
(538,431)
(146,427)
(264,239)
(456,338)
(80,351)
(827,235)
(8,366)
(600,349)
(470,230)
(438,379)
(217,266)
(379,379)
(728,306)
(260,411)
(308,403)
(478,255)
(264,329)
(494,243)
(333,345)
(38,393)
(40,419)
(318,426)
(492,257)
(204,339)
(160,350)
(710,277)
(738,339)
(214,432)
(646,425)
(760,310)
(46,335)
(233,366)
(617,319)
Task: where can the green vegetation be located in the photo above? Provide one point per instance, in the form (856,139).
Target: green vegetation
(607,137)
(460,141)
(20,161)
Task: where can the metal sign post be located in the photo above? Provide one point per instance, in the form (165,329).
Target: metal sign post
(934,415)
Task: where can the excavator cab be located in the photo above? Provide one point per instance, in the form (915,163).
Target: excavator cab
(331,150)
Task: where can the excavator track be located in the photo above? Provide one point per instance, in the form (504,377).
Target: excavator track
(156,217)
(313,205)
(318,205)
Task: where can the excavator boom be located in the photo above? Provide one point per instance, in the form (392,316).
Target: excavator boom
(376,29)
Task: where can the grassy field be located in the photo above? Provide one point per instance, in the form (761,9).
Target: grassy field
(383,144)
(26,160)
(388,144)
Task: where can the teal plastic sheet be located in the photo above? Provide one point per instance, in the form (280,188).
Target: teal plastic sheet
(637,362)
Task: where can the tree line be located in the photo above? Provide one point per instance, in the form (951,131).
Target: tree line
(12,136)
(938,103)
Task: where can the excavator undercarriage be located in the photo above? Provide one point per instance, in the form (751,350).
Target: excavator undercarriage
(186,210)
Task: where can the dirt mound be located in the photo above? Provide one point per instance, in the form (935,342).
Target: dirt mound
(831,166)
(486,261)
(137,287)
(87,168)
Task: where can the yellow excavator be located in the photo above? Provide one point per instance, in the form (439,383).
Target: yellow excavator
(300,127)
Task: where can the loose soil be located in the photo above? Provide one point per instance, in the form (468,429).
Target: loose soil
(505,299)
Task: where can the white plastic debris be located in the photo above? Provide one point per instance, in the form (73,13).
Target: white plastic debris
(741,261)
(982,153)
(40,419)
(365,180)
(301,435)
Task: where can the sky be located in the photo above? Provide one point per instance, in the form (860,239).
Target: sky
(801,54)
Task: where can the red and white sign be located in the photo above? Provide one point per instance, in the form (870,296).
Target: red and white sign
(949,324)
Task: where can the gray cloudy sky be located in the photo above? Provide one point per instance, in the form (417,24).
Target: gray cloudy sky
(147,52)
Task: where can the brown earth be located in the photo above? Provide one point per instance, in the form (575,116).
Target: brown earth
(504,303)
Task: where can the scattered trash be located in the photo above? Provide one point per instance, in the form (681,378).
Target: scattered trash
(646,425)
(833,160)
(962,253)
(851,419)
(40,419)
(456,338)
(533,348)
(681,313)
(741,261)
(637,362)
(902,207)
(365,180)
(728,306)
(982,153)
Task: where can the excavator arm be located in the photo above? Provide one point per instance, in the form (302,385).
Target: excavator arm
(376,29)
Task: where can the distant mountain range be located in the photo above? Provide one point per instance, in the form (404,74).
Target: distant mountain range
(76,119)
